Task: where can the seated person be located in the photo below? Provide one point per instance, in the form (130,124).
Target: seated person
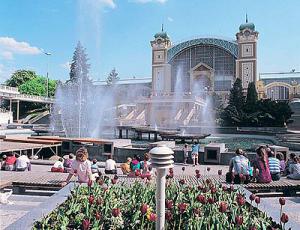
(110,166)
(3,162)
(280,157)
(135,163)
(146,163)
(274,165)
(10,162)
(95,167)
(58,166)
(23,163)
(261,166)
(68,162)
(238,165)
(289,162)
(295,169)
(125,167)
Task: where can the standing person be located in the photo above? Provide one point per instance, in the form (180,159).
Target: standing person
(185,153)
(81,167)
(295,169)
(238,166)
(261,166)
(110,166)
(10,162)
(195,153)
(23,163)
(146,163)
(274,165)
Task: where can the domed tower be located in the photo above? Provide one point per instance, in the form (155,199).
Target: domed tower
(246,63)
(161,70)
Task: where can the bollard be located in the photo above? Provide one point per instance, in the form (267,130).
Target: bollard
(161,159)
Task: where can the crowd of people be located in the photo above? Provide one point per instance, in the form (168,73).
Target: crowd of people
(15,162)
(266,167)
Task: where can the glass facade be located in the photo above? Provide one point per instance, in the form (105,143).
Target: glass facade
(278,93)
(221,61)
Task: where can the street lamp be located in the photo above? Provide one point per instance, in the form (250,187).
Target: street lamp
(47,83)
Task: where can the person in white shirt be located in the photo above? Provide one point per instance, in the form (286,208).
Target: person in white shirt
(58,166)
(110,166)
(22,163)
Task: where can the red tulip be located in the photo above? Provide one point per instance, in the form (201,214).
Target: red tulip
(220,172)
(223,206)
(98,216)
(143,176)
(281,201)
(169,204)
(90,183)
(197,211)
(241,176)
(198,176)
(208,169)
(153,217)
(200,187)
(252,197)
(224,188)
(183,168)
(75,171)
(171,171)
(204,190)
(148,177)
(113,181)
(208,181)
(240,200)
(86,224)
(91,199)
(144,208)
(197,171)
(211,200)
(116,177)
(169,215)
(257,200)
(99,201)
(100,182)
(182,182)
(238,220)
(201,199)
(253,228)
(182,207)
(116,212)
(231,188)
(284,218)
(213,190)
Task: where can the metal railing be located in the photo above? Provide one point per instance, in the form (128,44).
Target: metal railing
(9,88)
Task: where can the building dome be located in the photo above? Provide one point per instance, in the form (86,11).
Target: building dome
(247,25)
(163,35)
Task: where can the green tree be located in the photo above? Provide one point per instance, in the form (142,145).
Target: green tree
(19,77)
(251,99)
(79,69)
(112,77)
(237,98)
(38,86)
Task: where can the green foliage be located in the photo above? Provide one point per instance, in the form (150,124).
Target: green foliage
(112,78)
(197,205)
(79,69)
(38,86)
(20,77)
(254,112)
(251,99)
(237,97)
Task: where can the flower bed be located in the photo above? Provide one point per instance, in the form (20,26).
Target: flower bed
(112,205)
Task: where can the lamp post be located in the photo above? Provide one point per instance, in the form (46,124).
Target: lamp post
(47,83)
(161,159)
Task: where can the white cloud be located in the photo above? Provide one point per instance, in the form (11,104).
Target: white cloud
(147,1)
(170,19)
(100,3)
(11,45)
(7,55)
(66,65)
(5,72)
(109,3)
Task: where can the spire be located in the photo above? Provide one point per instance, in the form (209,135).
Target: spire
(246,18)
(162,27)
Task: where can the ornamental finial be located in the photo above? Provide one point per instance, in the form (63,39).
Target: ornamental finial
(246,18)
(162,27)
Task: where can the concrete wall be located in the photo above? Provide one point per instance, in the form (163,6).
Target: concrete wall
(6,117)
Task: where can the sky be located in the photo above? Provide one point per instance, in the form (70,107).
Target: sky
(117,33)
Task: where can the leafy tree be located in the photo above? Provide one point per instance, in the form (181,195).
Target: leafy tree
(79,69)
(251,99)
(237,97)
(38,86)
(112,78)
(19,77)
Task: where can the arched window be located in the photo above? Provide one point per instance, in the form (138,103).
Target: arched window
(278,93)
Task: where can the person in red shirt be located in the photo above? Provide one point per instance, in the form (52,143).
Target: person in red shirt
(10,162)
